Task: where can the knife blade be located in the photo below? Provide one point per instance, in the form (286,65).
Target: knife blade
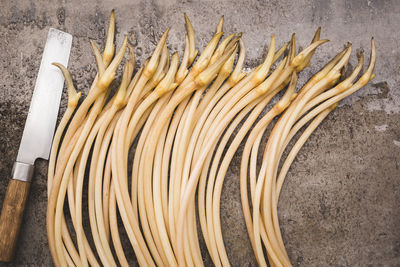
(36,138)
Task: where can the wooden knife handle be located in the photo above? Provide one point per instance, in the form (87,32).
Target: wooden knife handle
(11,217)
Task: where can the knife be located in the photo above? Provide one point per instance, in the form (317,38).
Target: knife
(36,138)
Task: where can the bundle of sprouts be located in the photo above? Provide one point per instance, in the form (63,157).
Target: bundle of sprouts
(182,121)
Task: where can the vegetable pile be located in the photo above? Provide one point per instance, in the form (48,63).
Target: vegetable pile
(154,155)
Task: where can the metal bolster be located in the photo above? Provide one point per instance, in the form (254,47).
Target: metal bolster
(22,171)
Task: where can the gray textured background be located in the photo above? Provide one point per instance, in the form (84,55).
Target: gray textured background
(340,203)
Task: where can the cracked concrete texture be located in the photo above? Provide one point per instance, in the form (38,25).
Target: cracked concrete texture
(340,203)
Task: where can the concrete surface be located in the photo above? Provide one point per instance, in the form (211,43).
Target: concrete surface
(340,203)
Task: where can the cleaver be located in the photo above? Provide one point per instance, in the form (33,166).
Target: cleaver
(36,138)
